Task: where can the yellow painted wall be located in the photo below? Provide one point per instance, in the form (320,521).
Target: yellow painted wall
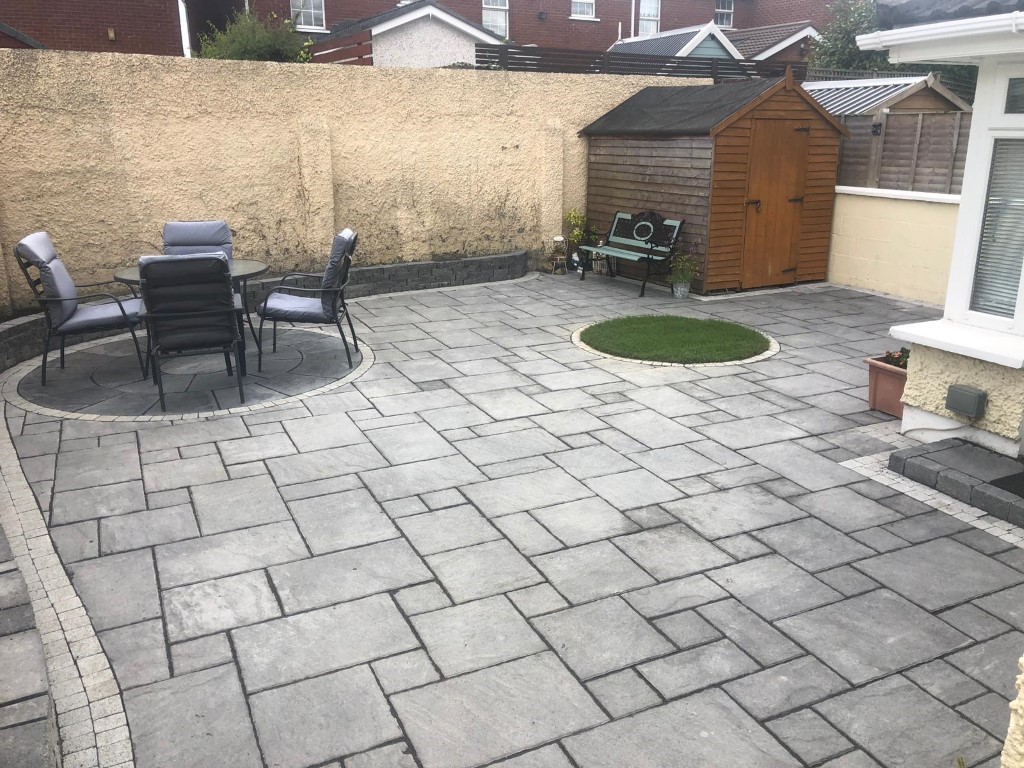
(1013,749)
(899,247)
(101,149)
(931,371)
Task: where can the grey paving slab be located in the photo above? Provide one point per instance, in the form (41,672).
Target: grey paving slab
(240,503)
(931,525)
(475,635)
(326,463)
(940,573)
(99,501)
(637,488)
(749,432)
(586,520)
(591,571)
(347,575)
(96,466)
(802,466)
(601,637)
(256,448)
(809,736)
(786,687)
(773,588)
(219,604)
(389,756)
(675,462)
(495,712)
(526,534)
(1007,605)
(545,757)
(687,629)
(310,644)
(520,493)
(674,596)
(421,477)
(592,461)
(506,404)
(137,653)
(199,720)
(678,733)
(652,429)
(845,509)
(21,658)
(329,430)
(168,475)
(409,442)
(623,693)
(755,636)
(314,720)
(341,521)
(973,621)
(701,667)
(483,570)
(510,446)
(146,528)
(117,589)
(991,712)
(993,662)
(224,554)
(446,529)
(404,671)
(881,633)
(193,433)
(422,598)
(945,683)
(201,653)
(727,513)
(900,724)
(812,545)
(671,552)
(568,422)
(668,401)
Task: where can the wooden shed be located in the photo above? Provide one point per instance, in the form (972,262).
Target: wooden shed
(750,165)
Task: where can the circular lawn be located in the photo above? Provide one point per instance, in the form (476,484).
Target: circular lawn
(668,339)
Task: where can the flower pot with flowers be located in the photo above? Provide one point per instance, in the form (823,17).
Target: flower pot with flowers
(887,378)
(684,268)
(580,233)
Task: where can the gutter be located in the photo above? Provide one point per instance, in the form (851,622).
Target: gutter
(1012,23)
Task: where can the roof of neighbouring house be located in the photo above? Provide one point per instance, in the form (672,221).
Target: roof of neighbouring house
(900,13)
(865,97)
(21,37)
(755,42)
(675,42)
(410,12)
(678,110)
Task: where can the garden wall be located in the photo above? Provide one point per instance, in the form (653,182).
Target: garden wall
(895,242)
(101,149)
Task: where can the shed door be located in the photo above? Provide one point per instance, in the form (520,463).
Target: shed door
(775,189)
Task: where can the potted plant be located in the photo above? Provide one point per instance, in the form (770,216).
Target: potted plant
(580,233)
(684,269)
(887,377)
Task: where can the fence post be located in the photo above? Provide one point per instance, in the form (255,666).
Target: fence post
(503,57)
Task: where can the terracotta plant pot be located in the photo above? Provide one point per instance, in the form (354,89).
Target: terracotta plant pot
(885,387)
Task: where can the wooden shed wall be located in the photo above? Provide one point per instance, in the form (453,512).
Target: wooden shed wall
(670,176)
(731,164)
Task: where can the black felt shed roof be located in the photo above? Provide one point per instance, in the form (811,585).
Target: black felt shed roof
(678,111)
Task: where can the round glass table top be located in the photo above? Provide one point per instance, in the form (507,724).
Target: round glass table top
(241,269)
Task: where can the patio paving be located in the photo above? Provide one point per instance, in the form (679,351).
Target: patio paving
(496,549)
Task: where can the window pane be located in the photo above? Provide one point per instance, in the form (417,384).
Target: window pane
(495,3)
(723,12)
(308,13)
(1001,250)
(582,8)
(648,27)
(1015,96)
(496,22)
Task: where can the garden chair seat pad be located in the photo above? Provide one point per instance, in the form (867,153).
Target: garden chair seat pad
(89,316)
(294,309)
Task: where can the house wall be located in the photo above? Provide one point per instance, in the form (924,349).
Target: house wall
(764,12)
(931,371)
(100,150)
(6,41)
(424,42)
(896,243)
(140,26)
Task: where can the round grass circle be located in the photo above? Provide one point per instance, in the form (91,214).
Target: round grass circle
(668,339)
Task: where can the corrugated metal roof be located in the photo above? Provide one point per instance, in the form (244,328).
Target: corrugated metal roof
(667,45)
(860,97)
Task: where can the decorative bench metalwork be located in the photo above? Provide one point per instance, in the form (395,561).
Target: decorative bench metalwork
(634,238)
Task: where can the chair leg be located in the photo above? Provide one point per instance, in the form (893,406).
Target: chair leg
(238,379)
(138,352)
(355,341)
(259,347)
(275,335)
(62,338)
(159,379)
(348,354)
(227,362)
(46,351)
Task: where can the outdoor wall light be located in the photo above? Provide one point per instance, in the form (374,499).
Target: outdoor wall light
(542,15)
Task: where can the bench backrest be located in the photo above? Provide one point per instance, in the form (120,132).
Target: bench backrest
(622,234)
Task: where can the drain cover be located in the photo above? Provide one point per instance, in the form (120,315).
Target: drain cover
(1012,483)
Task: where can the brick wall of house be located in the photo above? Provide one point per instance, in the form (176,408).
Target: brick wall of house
(140,26)
(6,41)
(765,12)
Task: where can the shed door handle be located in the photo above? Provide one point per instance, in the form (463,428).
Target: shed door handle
(756,203)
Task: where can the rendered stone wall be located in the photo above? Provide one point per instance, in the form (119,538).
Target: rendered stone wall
(101,149)
(900,247)
(931,371)
(1013,749)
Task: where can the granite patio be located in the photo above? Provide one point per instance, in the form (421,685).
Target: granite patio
(494,548)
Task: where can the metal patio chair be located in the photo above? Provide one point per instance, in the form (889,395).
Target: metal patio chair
(65,315)
(190,309)
(318,306)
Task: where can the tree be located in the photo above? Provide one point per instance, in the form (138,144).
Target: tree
(249,38)
(837,47)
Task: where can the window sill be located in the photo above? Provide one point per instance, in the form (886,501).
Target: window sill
(999,347)
(584,18)
(311,29)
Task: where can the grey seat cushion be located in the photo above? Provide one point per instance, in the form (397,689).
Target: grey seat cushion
(293,309)
(98,316)
(37,249)
(337,267)
(182,238)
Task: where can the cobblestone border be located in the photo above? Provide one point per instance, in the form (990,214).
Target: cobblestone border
(9,389)
(92,727)
(876,467)
(773,349)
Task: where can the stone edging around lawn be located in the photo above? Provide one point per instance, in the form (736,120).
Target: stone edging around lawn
(773,349)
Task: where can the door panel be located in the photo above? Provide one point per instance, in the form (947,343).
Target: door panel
(775,189)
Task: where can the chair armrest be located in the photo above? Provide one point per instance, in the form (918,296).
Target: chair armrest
(112,297)
(300,274)
(109,282)
(290,289)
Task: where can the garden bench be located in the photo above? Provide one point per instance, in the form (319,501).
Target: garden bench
(632,241)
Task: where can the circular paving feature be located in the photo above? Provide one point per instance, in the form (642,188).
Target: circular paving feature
(103,378)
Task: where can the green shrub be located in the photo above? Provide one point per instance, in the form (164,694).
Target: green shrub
(249,38)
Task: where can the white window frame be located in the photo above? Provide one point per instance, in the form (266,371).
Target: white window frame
(723,7)
(592,16)
(989,122)
(312,7)
(656,19)
(497,6)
